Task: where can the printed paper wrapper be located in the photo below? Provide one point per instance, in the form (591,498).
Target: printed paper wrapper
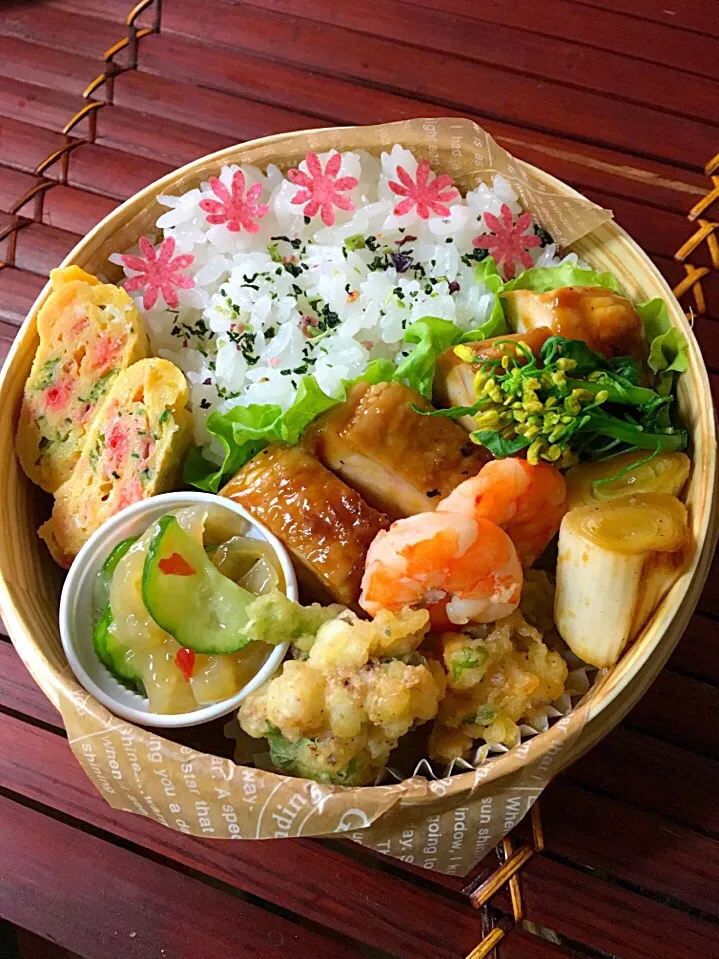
(444,824)
(447,825)
(452,145)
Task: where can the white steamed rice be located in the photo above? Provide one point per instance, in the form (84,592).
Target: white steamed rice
(248,330)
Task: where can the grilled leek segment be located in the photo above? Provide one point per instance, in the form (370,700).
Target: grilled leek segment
(593,483)
(616,560)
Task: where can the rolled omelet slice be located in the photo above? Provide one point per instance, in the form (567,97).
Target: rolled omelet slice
(132,451)
(88,332)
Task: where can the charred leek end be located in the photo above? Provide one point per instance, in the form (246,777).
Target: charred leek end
(634,472)
(606,555)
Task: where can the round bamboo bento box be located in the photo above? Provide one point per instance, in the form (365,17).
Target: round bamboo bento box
(30,582)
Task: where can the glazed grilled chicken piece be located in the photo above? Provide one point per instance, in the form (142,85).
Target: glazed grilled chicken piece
(326,526)
(602,318)
(454,377)
(400,461)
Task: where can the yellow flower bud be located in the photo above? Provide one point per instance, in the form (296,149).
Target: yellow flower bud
(572,405)
(566,364)
(602,396)
(479,380)
(534,452)
(488,421)
(553,454)
(465,353)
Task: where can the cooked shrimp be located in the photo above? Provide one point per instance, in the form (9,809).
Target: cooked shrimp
(528,502)
(459,568)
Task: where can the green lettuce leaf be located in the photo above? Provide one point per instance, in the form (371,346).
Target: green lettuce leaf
(245,430)
(378,371)
(200,472)
(669,352)
(432,336)
(540,279)
(308,403)
(668,348)
(486,272)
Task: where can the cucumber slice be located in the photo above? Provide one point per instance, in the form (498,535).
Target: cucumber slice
(99,637)
(111,653)
(110,564)
(104,577)
(190,599)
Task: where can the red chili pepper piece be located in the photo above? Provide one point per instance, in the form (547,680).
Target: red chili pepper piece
(176,565)
(185,662)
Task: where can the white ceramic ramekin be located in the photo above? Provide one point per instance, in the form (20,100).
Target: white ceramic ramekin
(76,611)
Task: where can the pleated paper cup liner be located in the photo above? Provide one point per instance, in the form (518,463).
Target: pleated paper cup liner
(579,681)
(442,819)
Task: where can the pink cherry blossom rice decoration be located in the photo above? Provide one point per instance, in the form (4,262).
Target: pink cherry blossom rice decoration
(321,190)
(429,196)
(157,272)
(508,241)
(235,207)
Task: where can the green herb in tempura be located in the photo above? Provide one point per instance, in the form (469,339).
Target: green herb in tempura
(469,658)
(567,404)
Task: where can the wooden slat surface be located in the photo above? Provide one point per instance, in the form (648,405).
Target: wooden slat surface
(381,911)
(53,873)
(492,91)
(656,853)
(619,100)
(517,50)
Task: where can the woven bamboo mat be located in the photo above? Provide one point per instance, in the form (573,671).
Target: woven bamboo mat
(97,101)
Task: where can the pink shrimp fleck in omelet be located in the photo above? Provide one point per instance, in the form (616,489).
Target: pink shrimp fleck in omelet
(527,501)
(88,333)
(131,492)
(459,568)
(56,397)
(117,442)
(132,450)
(106,350)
